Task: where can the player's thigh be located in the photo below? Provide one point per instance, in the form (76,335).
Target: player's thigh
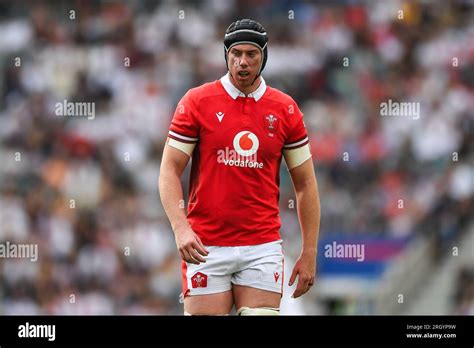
(259,282)
(207,286)
(213,304)
(245,296)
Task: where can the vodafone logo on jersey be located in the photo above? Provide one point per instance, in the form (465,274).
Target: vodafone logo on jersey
(246,143)
(244,152)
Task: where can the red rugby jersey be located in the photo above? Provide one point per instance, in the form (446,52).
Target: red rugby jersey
(234,183)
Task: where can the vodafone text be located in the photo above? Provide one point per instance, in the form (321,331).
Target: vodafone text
(230,157)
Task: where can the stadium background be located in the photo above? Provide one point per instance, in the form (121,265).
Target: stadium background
(85,190)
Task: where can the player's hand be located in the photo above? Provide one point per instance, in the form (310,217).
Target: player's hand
(190,246)
(305,269)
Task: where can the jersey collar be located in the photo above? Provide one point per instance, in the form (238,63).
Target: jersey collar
(234,92)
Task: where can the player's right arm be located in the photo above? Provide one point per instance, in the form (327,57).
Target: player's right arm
(171,193)
(182,139)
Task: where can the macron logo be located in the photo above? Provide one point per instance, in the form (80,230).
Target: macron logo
(220,115)
(33,331)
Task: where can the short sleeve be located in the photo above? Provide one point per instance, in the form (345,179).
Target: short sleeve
(296,148)
(297,134)
(184,129)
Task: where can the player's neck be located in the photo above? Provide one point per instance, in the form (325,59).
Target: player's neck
(246,89)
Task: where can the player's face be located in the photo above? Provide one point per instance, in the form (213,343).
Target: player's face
(244,61)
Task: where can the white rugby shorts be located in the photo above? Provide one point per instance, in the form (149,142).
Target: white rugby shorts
(257,266)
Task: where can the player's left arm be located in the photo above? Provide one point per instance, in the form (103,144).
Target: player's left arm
(308,207)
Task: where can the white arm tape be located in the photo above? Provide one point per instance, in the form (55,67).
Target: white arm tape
(185,147)
(295,157)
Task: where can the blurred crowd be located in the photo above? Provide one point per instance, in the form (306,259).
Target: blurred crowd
(85,190)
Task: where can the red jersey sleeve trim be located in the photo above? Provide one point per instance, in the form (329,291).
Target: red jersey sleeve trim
(296,144)
(182,138)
